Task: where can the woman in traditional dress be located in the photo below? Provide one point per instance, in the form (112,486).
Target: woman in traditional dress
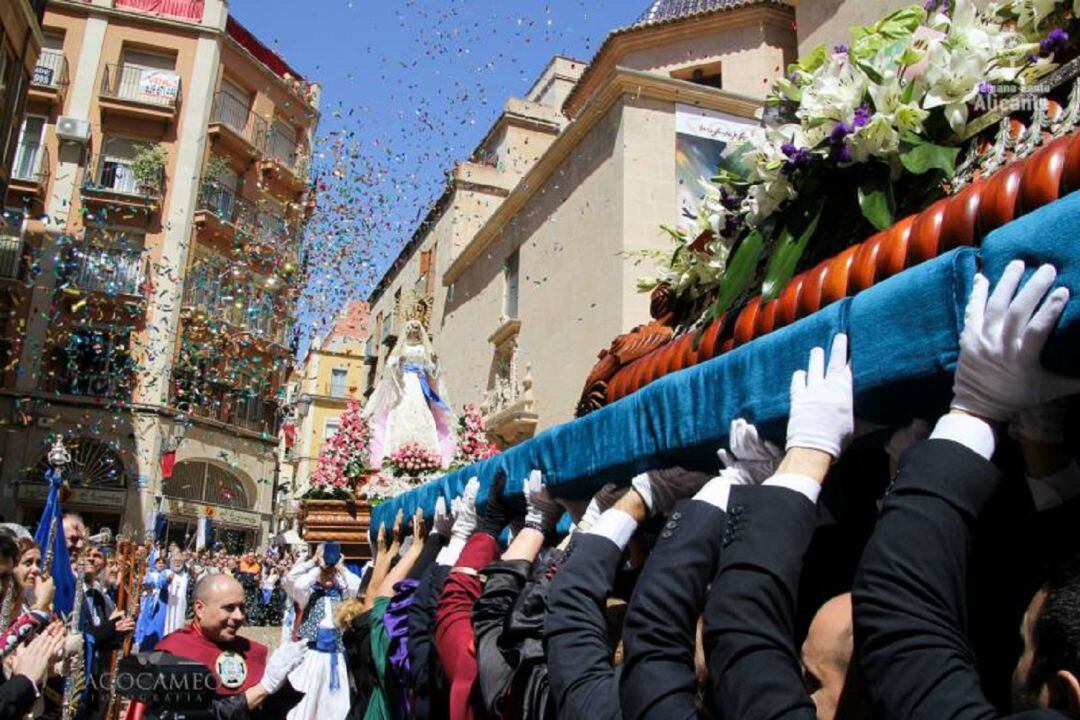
(155,606)
(318,586)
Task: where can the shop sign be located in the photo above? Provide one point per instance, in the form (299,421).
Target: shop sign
(228,516)
(79,496)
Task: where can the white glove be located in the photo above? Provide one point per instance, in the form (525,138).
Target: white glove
(540,509)
(751,459)
(822,404)
(443,522)
(465,522)
(998,373)
(282,662)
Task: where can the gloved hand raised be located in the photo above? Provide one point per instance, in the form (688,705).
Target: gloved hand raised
(822,404)
(465,511)
(496,512)
(998,373)
(443,523)
(542,512)
(661,489)
(751,459)
(282,662)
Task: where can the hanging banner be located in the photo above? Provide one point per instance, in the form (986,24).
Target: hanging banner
(706,140)
(161,84)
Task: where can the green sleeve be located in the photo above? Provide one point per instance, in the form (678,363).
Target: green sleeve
(378,708)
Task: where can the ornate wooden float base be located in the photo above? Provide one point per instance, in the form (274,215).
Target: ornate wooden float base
(342,521)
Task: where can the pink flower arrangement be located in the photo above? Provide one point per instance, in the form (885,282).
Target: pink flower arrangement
(343,457)
(413,459)
(473,443)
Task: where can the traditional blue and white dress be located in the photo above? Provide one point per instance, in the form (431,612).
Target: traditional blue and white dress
(322,676)
(153,611)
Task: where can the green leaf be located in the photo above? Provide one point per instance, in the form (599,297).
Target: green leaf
(876,197)
(923,156)
(868,70)
(789,249)
(740,269)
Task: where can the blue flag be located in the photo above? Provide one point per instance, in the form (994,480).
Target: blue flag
(60,571)
(161,524)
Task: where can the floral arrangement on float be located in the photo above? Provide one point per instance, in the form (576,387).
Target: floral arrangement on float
(855,137)
(342,461)
(473,443)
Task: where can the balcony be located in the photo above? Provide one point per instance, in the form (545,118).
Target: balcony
(80,382)
(209,302)
(12,258)
(222,212)
(228,405)
(138,92)
(110,180)
(509,408)
(234,126)
(50,77)
(190,10)
(371,351)
(286,163)
(30,173)
(107,271)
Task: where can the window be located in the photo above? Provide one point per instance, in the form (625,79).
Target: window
(282,145)
(332,426)
(338,379)
(115,166)
(31,149)
(53,40)
(234,105)
(709,75)
(510,277)
(146,77)
(93,464)
(202,482)
(93,362)
(106,261)
(425,282)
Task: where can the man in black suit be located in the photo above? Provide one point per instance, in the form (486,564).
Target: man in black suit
(659,675)
(584,681)
(749,629)
(910,600)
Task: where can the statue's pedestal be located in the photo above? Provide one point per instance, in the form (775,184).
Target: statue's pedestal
(342,521)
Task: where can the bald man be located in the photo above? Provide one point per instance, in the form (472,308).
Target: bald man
(244,677)
(834,683)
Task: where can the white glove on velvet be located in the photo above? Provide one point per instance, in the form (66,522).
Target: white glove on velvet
(282,662)
(540,509)
(751,459)
(998,373)
(822,404)
(466,520)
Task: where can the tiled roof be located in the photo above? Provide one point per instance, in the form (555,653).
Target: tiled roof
(660,10)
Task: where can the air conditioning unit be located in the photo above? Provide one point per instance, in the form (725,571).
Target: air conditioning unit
(73,129)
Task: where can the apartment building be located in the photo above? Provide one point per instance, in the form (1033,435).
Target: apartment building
(333,374)
(20,43)
(161,185)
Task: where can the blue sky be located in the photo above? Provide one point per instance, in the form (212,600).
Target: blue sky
(409,88)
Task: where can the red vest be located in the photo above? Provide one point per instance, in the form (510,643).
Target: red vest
(224,658)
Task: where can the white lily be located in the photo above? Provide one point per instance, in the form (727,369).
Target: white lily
(834,95)
(953,80)
(878,138)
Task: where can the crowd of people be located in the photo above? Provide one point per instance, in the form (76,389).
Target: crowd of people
(930,571)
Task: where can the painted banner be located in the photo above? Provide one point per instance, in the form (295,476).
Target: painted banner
(163,84)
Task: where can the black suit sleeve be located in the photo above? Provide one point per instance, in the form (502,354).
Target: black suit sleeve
(505,580)
(658,677)
(17,696)
(910,591)
(583,681)
(422,657)
(750,615)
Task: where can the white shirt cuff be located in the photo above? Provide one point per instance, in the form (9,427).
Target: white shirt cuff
(802,484)
(616,526)
(971,432)
(1056,489)
(717,491)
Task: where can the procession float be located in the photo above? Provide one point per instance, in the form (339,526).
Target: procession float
(406,434)
(941,140)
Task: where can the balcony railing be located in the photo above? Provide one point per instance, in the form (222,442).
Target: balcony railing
(79,381)
(239,117)
(112,271)
(219,199)
(232,406)
(113,174)
(51,71)
(146,86)
(180,9)
(31,163)
(286,152)
(12,264)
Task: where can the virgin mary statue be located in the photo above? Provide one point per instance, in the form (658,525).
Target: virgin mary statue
(409,402)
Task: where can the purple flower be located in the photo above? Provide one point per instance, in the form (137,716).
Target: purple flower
(796,157)
(986,88)
(1055,40)
(728,201)
(932,5)
(862,116)
(838,141)
(840,49)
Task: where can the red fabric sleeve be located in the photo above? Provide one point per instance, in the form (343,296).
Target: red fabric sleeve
(453,625)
